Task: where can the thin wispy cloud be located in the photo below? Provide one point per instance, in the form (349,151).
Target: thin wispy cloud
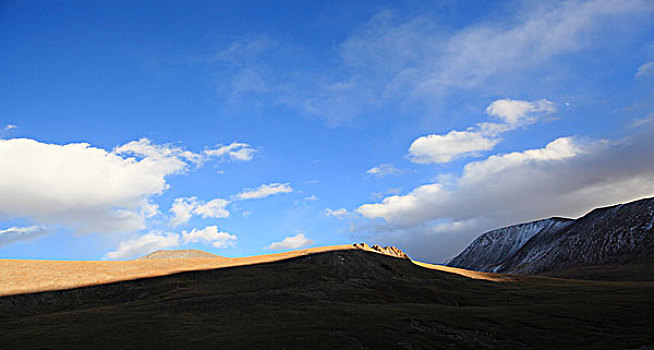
(647,69)
(415,62)
(18,234)
(264,190)
(235,151)
(383,170)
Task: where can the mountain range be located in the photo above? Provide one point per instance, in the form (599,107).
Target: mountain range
(616,235)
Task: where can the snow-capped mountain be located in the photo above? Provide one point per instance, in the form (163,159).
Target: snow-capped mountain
(614,235)
(489,251)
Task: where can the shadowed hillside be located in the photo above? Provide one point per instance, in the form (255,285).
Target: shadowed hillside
(349,299)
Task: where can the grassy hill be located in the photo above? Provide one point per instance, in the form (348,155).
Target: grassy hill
(350,299)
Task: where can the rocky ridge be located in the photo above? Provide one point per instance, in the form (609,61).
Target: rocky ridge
(387,250)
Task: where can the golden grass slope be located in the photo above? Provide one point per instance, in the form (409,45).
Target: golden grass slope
(28,276)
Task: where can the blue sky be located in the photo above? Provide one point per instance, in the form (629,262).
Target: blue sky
(248,128)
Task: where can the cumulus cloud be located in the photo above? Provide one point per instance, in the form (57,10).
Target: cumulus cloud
(235,151)
(567,177)
(210,235)
(185,207)
(265,191)
(291,242)
(88,188)
(81,186)
(444,148)
(383,170)
(16,234)
(143,245)
(437,148)
(337,213)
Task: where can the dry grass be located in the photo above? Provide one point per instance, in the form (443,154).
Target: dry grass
(28,276)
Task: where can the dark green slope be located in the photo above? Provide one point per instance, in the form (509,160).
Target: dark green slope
(336,300)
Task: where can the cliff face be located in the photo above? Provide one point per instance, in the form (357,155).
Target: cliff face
(611,235)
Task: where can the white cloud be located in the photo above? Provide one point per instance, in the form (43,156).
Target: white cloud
(87,188)
(444,148)
(185,207)
(16,234)
(264,191)
(434,201)
(337,213)
(645,70)
(210,235)
(291,242)
(516,112)
(143,245)
(162,153)
(214,208)
(437,148)
(234,151)
(84,187)
(566,178)
(384,170)
(182,210)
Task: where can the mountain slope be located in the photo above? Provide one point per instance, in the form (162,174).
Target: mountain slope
(613,235)
(489,251)
(346,299)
